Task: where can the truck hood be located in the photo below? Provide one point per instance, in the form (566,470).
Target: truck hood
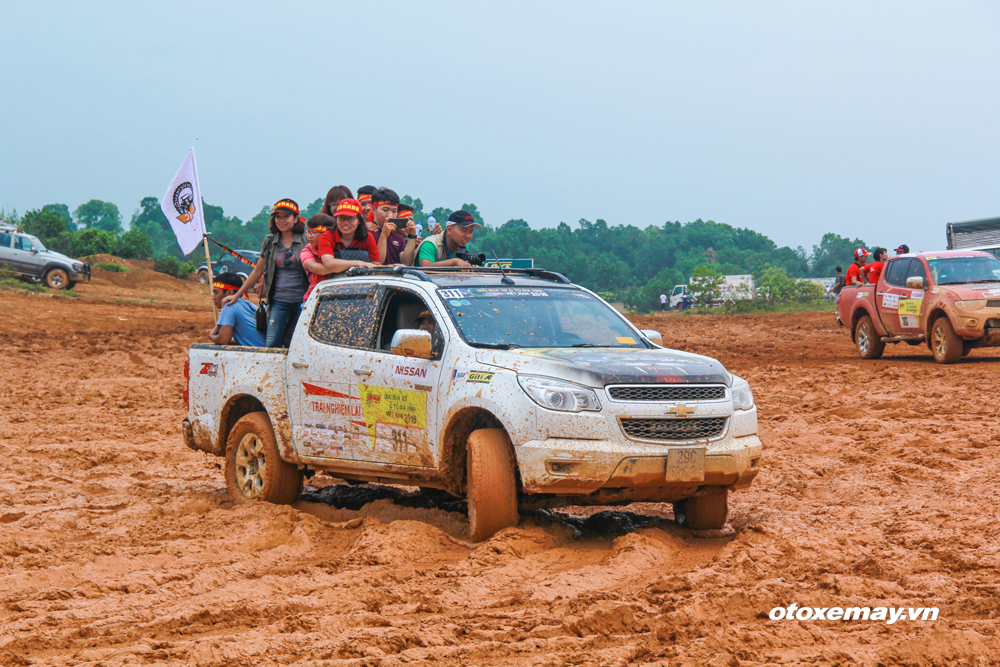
(58,256)
(598,367)
(975,291)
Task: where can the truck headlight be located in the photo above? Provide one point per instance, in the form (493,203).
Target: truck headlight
(974,304)
(742,396)
(559,394)
(77,266)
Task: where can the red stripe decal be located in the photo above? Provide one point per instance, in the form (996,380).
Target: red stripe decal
(313,390)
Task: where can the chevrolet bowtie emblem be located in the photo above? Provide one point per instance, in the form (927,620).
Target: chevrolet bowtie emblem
(680,410)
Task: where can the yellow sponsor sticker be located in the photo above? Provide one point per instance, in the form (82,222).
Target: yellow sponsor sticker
(625,340)
(909,306)
(484,377)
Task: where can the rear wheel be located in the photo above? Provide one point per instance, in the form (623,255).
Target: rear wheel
(254,468)
(705,512)
(870,345)
(492,483)
(57,279)
(203,276)
(945,343)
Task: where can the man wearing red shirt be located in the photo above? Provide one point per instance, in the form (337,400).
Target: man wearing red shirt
(875,268)
(855,275)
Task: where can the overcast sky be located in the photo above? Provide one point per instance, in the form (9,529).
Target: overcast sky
(872,119)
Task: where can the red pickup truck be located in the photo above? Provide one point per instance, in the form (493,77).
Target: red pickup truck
(948,300)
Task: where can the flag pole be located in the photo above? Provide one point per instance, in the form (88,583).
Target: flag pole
(211,278)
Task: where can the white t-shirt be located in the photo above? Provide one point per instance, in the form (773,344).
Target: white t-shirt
(663,298)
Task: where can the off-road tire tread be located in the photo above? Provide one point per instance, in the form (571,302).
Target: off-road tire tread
(875,345)
(492,483)
(953,343)
(56,272)
(282,480)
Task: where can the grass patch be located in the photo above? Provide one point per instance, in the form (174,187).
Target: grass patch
(14,283)
(757,307)
(112,267)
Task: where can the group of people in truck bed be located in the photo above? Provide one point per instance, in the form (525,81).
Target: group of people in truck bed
(374,229)
(860,272)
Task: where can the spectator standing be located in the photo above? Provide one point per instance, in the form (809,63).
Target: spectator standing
(903,249)
(875,268)
(855,272)
(237,323)
(334,196)
(317,225)
(663,302)
(285,280)
(838,285)
(349,243)
(365,193)
(440,249)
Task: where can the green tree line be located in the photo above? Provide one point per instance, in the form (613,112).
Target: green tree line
(634,264)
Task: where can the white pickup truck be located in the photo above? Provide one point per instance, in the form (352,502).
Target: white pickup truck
(531,392)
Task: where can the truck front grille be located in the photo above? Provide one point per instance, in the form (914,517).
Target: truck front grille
(674,429)
(993,303)
(662,393)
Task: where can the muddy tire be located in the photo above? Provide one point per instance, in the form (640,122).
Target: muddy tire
(870,345)
(707,512)
(203,277)
(56,279)
(491,482)
(254,468)
(965,351)
(945,343)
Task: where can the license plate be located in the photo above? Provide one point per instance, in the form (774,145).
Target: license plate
(686,465)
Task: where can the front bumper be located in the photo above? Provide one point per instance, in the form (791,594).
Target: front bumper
(80,276)
(565,466)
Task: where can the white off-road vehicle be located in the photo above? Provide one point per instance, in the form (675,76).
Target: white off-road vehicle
(530,392)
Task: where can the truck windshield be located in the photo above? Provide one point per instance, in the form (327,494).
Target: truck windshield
(961,270)
(38,244)
(508,317)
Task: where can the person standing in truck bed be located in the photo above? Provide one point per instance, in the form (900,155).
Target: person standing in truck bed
(855,272)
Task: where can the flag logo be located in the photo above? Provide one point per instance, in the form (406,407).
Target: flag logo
(184,201)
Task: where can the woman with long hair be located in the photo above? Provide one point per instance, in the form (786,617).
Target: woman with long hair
(285,280)
(334,196)
(349,243)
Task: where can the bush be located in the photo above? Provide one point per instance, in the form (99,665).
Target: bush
(705,285)
(173,266)
(134,244)
(112,267)
(89,242)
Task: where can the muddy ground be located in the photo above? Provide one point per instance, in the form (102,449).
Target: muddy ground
(119,546)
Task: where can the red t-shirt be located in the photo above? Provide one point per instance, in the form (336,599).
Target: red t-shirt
(853,271)
(330,240)
(310,253)
(874,271)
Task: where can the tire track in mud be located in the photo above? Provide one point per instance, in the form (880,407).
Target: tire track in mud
(119,546)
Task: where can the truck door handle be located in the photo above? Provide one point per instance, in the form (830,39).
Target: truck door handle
(299,364)
(358,371)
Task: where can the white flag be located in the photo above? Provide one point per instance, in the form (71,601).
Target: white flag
(182,205)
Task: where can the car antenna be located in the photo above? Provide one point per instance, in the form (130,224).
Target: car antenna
(505,280)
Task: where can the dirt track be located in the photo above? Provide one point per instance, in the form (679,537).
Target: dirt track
(119,546)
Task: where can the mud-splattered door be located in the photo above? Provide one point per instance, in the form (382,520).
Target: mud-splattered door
(328,420)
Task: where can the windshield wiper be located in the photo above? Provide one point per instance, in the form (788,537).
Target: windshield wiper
(588,345)
(495,346)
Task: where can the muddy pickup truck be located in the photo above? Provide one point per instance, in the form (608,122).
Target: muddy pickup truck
(948,300)
(530,392)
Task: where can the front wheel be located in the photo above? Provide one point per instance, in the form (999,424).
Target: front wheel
(254,468)
(706,512)
(203,277)
(945,343)
(56,279)
(870,345)
(492,483)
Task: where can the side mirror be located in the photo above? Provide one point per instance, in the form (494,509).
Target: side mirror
(34,250)
(411,343)
(915,282)
(652,336)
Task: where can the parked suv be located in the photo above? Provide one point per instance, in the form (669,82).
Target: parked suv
(529,392)
(28,258)
(229,263)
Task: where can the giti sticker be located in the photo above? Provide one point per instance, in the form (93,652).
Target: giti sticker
(484,377)
(890,301)
(909,321)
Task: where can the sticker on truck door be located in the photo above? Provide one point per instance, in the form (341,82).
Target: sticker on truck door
(890,301)
(396,422)
(909,313)
(331,421)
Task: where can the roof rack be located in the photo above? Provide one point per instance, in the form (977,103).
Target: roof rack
(422,273)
